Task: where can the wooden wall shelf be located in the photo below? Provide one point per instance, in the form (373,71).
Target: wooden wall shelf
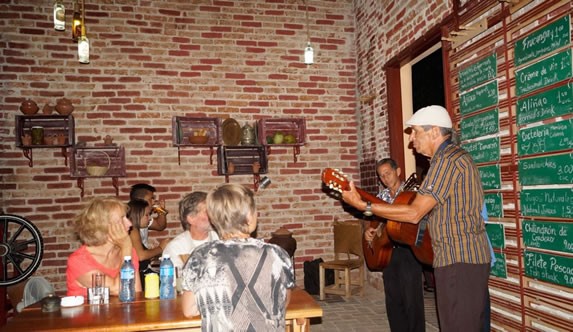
(242,160)
(184,128)
(292,129)
(98,162)
(54,126)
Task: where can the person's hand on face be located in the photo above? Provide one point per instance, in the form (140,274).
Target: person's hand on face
(118,231)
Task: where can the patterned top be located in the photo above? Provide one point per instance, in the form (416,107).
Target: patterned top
(455,223)
(239,285)
(386,195)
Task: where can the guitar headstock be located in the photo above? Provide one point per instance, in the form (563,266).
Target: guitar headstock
(335,179)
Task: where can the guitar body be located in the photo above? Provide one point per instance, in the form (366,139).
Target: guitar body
(400,232)
(377,253)
(406,233)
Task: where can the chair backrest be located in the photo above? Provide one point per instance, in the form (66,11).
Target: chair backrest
(348,238)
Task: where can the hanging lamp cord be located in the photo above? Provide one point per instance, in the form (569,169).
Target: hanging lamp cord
(307,26)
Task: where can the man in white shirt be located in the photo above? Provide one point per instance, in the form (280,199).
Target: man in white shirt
(196,225)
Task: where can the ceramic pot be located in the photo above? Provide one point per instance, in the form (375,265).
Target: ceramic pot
(29,107)
(26,139)
(48,109)
(64,106)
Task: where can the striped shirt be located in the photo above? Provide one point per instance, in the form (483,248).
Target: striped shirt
(455,223)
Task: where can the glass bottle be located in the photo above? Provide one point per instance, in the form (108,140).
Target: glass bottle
(59,16)
(76,22)
(83,47)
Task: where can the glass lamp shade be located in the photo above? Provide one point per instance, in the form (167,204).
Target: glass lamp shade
(308,54)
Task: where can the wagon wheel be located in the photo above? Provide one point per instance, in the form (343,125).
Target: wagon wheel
(21,249)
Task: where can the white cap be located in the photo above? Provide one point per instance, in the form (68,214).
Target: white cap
(126,258)
(166,256)
(431,116)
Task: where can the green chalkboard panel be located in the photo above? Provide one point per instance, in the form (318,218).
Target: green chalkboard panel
(479,98)
(551,70)
(481,71)
(553,169)
(543,41)
(551,268)
(482,124)
(496,235)
(557,236)
(556,203)
(551,137)
(499,268)
(490,177)
(484,151)
(494,205)
(549,104)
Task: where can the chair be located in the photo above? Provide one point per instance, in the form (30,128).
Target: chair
(348,256)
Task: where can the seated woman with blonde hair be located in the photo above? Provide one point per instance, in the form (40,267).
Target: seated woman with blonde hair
(102,227)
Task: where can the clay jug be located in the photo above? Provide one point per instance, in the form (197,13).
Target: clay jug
(64,106)
(29,107)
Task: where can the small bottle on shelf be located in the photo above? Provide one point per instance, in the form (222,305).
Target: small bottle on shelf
(76,22)
(59,15)
(84,47)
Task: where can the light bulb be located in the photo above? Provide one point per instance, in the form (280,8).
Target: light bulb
(308,55)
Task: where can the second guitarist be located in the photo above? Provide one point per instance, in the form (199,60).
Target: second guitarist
(403,275)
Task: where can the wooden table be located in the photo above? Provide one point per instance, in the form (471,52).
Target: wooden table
(143,315)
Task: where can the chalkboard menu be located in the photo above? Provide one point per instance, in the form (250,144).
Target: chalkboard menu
(543,41)
(499,269)
(551,70)
(482,124)
(479,72)
(557,236)
(551,137)
(553,169)
(550,268)
(479,98)
(490,177)
(556,203)
(551,103)
(494,205)
(496,235)
(483,151)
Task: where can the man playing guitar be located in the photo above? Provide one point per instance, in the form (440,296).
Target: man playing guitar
(403,275)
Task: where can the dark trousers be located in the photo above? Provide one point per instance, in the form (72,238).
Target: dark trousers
(461,296)
(404,292)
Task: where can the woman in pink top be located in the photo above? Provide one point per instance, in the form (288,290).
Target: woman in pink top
(103,229)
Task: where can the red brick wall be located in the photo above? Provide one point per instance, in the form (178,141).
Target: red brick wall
(152,60)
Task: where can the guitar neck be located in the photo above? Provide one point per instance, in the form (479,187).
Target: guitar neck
(369,197)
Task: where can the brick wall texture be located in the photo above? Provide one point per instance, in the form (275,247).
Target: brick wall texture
(153,60)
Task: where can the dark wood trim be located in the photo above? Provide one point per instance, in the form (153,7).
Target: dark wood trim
(395,121)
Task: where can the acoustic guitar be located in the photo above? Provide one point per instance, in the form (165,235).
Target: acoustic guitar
(378,253)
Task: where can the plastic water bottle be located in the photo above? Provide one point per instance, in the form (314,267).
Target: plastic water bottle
(127,281)
(166,278)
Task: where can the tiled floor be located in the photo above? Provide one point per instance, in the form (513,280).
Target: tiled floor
(366,313)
